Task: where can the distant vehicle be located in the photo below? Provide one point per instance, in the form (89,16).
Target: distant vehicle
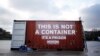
(98,37)
(46,34)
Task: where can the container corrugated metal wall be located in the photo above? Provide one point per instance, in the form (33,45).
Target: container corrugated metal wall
(18,36)
(37,38)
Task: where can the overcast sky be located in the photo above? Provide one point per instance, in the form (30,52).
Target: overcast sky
(11,10)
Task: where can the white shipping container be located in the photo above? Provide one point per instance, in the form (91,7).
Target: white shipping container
(18,36)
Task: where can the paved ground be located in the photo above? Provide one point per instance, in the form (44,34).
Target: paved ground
(43,53)
(93,50)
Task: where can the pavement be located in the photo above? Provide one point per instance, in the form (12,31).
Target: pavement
(93,49)
(44,53)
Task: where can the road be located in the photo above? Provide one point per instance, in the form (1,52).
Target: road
(92,46)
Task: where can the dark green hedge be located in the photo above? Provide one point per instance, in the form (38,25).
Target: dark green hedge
(92,35)
(4,35)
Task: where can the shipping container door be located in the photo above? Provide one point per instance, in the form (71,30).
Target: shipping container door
(18,36)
